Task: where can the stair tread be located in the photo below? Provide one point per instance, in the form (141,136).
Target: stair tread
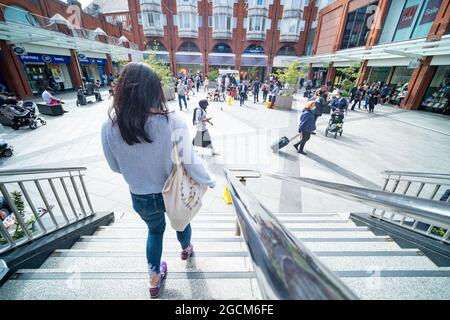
(139,264)
(400,288)
(128,289)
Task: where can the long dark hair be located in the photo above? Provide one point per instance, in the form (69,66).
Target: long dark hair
(138,95)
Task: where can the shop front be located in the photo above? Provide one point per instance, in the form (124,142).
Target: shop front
(43,70)
(379,74)
(189,62)
(224,61)
(94,69)
(438,93)
(253,66)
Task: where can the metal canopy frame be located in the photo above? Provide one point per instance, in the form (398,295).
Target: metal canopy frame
(19,34)
(413,49)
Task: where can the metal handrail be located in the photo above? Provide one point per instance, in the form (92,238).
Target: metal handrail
(71,209)
(418,174)
(430,211)
(285,268)
(16,172)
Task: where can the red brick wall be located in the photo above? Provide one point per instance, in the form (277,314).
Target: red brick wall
(328,35)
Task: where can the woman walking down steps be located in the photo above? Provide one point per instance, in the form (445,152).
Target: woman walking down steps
(137,141)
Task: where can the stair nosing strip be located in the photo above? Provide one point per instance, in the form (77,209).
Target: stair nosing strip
(394,274)
(49,274)
(83,253)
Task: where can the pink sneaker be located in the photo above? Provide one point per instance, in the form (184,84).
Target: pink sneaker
(188,252)
(155,292)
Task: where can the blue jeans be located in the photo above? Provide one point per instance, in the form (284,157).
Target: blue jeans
(151,209)
(182,98)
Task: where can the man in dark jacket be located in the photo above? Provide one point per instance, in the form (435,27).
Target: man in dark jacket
(242,93)
(307,125)
(256,87)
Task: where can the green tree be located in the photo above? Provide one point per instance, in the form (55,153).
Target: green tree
(290,74)
(160,67)
(213,74)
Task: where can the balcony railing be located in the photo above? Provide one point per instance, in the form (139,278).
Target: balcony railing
(42,201)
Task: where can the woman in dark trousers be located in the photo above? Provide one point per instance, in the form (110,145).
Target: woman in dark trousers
(307,125)
(138,139)
(319,105)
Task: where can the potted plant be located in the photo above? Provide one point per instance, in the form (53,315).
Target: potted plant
(11,224)
(289,76)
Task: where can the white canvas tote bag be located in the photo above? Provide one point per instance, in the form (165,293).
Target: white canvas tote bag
(182,194)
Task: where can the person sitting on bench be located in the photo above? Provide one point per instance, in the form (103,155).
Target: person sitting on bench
(50,99)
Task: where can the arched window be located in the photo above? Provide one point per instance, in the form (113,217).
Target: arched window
(17,14)
(286,51)
(189,46)
(222,48)
(155,45)
(254,49)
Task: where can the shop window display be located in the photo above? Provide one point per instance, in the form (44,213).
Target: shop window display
(438,93)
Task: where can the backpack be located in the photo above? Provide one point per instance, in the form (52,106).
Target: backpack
(194,120)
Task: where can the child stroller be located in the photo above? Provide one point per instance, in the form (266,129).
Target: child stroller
(6,150)
(17,116)
(336,123)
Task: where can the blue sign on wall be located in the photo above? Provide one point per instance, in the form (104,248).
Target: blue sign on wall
(46,58)
(92,61)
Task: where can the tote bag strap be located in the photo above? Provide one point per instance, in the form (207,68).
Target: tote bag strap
(175,157)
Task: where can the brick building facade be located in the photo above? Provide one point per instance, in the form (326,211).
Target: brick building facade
(56,51)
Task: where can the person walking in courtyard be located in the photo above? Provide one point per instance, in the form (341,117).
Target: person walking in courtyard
(374,97)
(206,84)
(256,87)
(265,90)
(359,96)
(320,103)
(137,140)
(242,93)
(200,120)
(181,91)
(307,125)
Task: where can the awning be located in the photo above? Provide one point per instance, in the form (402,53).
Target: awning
(189,58)
(398,52)
(161,55)
(389,62)
(254,60)
(283,61)
(441,61)
(24,35)
(221,59)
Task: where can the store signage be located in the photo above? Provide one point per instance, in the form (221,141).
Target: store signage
(407,17)
(92,61)
(46,58)
(431,11)
(19,50)
(81,56)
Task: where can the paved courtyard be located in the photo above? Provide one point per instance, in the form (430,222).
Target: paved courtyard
(390,139)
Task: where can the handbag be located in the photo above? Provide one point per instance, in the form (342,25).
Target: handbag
(182,194)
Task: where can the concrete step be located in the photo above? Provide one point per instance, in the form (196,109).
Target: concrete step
(426,285)
(167,245)
(59,285)
(378,263)
(230,225)
(110,263)
(229,230)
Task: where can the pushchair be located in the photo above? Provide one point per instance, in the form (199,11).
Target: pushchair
(336,123)
(17,116)
(215,95)
(6,150)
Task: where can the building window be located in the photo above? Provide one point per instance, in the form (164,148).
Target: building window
(286,51)
(409,19)
(359,24)
(257,24)
(189,46)
(222,48)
